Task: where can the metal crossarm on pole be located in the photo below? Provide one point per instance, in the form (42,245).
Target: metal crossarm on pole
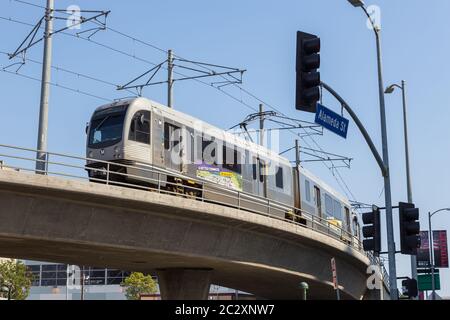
(27,43)
(50,13)
(31,42)
(222,72)
(272,116)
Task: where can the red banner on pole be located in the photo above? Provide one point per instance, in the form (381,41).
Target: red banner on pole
(333,270)
(440,249)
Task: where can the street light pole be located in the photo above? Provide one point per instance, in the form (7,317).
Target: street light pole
(431,248)
(387,181)
(431,245)
(389,90)
(405,128)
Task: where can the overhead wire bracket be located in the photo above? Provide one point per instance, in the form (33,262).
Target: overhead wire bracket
(188,65)
(23,47)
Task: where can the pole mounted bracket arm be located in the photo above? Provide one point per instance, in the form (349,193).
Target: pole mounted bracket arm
(31,40)
(383,168)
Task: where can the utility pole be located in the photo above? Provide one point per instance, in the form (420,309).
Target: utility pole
(170,79)
(82,283)
(41,157)
(261,125)
(297,154)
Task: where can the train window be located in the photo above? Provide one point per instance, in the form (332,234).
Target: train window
(279,177)
(307,191)
(329,205)
(337,210)
(140,127)
(254,168)
(169,140)
(106,129)
(231,159)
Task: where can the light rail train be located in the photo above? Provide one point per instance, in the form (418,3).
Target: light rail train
(162,146)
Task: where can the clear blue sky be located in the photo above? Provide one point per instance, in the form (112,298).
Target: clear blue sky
(259,35)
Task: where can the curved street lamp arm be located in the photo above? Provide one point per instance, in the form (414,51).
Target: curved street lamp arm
(443,209)
(374,27)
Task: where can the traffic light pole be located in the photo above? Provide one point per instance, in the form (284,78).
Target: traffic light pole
(385,172)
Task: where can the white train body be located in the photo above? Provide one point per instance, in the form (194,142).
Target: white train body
(145,134)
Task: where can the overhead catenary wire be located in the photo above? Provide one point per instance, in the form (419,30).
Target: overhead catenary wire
(65,70)
(55,84)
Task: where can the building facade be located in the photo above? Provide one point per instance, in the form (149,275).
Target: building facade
(53,281)
(62,282)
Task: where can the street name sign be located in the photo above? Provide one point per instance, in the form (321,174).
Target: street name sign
(332,121)
(425,282)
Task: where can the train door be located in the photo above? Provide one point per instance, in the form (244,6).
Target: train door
(347,220)
(184,149)
(262,178)
(157,137)
(356,228)
(172,146)
(318,201)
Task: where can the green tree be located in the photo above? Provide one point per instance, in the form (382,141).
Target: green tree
(15,280)
(137,283)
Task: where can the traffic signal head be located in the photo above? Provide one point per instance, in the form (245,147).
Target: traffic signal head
(308,77)
(409,228)
(372,230)
(410,288)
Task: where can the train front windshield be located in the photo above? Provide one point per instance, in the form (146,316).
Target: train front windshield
(106,129)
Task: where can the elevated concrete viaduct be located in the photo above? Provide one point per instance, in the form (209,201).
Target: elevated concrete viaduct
(189,244)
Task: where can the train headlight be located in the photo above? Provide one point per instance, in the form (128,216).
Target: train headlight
(90,154)
(116,149)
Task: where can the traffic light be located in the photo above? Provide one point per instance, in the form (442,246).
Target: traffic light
(308,77)
(409,287)
(372,230)
(409,228)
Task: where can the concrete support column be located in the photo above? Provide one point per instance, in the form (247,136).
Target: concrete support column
(184,284)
